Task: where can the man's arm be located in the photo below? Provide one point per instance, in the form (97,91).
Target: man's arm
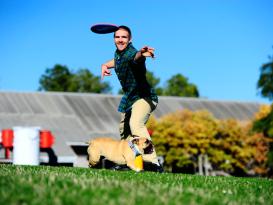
(105,68)
(144,52)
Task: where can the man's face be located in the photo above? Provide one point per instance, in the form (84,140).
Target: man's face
(122,39)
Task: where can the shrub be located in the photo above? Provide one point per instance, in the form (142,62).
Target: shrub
(182,136)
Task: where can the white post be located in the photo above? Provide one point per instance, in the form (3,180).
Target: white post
(200,164)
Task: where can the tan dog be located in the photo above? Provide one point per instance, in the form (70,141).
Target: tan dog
(117,151)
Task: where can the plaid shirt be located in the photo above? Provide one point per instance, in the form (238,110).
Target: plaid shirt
(132,77)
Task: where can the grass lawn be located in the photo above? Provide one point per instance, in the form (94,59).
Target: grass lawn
(44,185)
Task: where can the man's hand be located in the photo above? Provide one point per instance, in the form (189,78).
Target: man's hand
(105,71)
(147,51)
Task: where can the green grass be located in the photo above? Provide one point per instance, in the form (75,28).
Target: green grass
(66,185)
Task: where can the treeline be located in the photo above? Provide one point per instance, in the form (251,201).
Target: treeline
(61,78)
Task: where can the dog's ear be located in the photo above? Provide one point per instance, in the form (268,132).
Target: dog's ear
(150,148)
(147,141)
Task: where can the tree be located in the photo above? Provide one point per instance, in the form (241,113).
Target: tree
(84,81)
(265,86)
(154,81)
(60,78)
(265,82)
(55,79)
(178,85)
(265,124)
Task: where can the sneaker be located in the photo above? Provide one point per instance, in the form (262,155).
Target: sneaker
(160,169)
(148,166)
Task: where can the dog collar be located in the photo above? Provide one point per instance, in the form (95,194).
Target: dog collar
(134,148)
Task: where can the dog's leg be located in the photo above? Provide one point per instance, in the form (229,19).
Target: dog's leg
(94,156)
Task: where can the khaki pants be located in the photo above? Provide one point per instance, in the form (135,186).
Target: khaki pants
(134,123)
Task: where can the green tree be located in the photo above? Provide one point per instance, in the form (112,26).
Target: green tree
(154,81)
(178,85)
(265,124)
(55,79)
(60,78)
(84,81)
(265,82)
(265,86)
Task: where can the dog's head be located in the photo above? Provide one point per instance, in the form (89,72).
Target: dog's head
(146,146)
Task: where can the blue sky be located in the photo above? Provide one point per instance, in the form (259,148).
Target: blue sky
(219,45)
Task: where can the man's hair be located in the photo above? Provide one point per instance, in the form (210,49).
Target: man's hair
(126,28)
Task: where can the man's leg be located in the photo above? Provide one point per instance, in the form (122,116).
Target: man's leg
(141,112)
(125,132)
(124,127)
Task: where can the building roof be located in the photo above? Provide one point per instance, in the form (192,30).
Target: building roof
(75,118)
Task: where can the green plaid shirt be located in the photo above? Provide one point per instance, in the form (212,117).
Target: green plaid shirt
(132,77)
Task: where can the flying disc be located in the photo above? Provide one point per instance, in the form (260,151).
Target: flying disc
(104,28)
